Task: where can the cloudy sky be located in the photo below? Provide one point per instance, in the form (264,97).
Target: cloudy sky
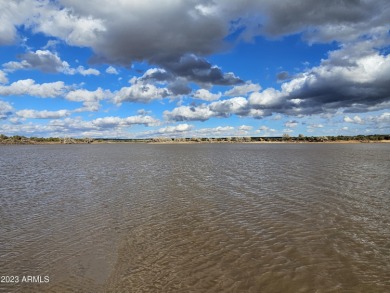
(134,69)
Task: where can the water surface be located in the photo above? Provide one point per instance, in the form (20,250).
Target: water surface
(196,218)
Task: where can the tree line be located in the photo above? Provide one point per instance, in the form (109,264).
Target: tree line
(18,139)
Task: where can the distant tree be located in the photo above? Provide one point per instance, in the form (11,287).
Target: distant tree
(286,136)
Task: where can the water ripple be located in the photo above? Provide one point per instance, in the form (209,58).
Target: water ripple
(196,218)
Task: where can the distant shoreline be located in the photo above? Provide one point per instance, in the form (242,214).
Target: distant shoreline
(21,140)
(273,142)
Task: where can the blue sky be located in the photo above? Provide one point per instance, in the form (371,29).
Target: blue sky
(135,69)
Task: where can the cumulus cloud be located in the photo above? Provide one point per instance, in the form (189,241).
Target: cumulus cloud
(90,99)
(34,114)
(199,27)
(179,86)
(175,129)
(269,98)
(77,127)
(198,30)
(110,123)
(188,130)
(291,124)
(139,92)
(29,87)
(128,121)
(243,90)
(3,77)
(206,95)
(112,70)
(89,71)
(62,21)
(352,79)
(315,126)
(231,106)
(199,70)
(46,62)
(266,131)
(331,86)
(383,118)
(158,75)
(214,131)
(356,119)
(320,21)
(203,112)
(189,113)
(360,86)
(5,109)
(245,128)
(13,14)
(43,60)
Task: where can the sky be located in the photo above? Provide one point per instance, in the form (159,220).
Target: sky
(194,68)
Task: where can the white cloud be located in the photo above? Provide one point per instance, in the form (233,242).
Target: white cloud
(3,77)
(206,95)
(203,112)
(266,131)
(175,129)
(218,131)
(383,118)
(83,95)
(139,92)
(29,87)
(269,97)
(111,70)
(227,107)
(90,99)
(316,126)
(5,109)
(143,112)
(46,62)
(245,128)
(34,114)
(258,113)
(242,90)
(51,44)
(121,122)
(187,113)
(277,117)
(89,71)
(291,124)
(76,30)
(356,120)
(187,130)
(43,60)
(12,14)
(203,25)
(105,123)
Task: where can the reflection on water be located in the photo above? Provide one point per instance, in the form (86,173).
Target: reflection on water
(196,218)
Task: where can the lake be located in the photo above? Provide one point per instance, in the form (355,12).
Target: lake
(195,218)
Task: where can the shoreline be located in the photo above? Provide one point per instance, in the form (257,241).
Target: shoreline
(198,142)
(23,140)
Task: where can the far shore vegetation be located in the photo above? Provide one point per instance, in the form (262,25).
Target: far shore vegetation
(18,139)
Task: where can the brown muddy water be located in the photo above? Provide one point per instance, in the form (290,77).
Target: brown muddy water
(195,218)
